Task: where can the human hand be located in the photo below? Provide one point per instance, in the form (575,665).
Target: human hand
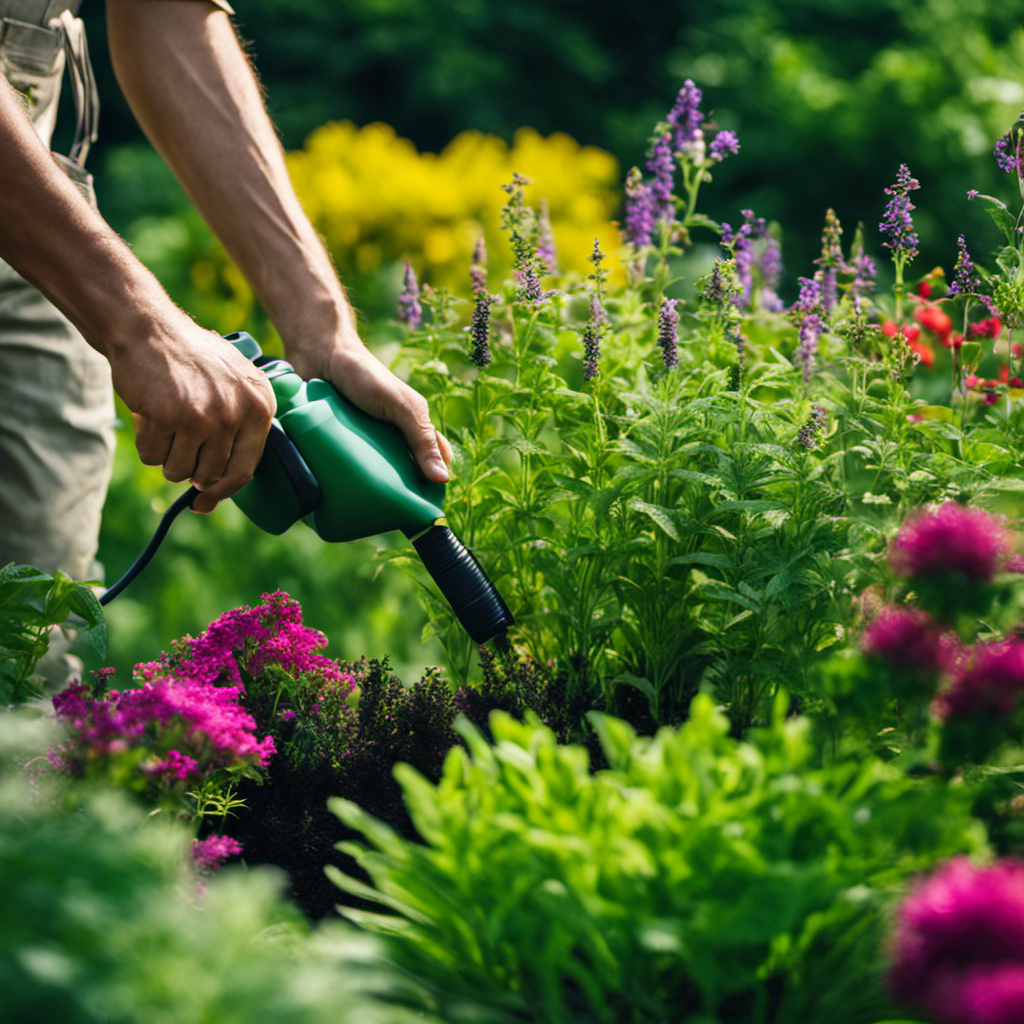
(201,409)
(366,382)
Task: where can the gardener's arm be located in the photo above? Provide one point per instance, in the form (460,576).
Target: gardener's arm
(190,86)
(203,411)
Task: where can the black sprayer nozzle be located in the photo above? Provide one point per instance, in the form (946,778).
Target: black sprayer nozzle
(458,575)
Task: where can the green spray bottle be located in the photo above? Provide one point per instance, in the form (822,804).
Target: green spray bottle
(347,475)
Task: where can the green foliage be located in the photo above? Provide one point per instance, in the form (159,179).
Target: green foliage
(866,83)
(102,921)
(32,604)
(700,878)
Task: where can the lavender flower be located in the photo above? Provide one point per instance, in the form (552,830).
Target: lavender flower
(952,539)
(685,117)
(831,261)
(1008,153)
(529,284)
(546,239)
(591,351)
(808,335)
(770,266)
(668,332)
(478,270)
(965,280)
(640,215)
(972,193)
(958,948)
(863,274)
(480,330)
(723,144)
(721,288)
(897,223)
(597,322)
(410,312)
(807,436)
(810,298)
(662,166)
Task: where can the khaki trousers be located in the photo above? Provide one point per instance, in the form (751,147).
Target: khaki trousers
(56,435)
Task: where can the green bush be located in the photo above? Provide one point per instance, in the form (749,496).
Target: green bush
(700,878)
(102,921)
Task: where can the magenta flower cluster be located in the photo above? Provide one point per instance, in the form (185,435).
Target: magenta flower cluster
(908,638)
(953,540)
(272,633)
(988,679)
(210,853)
(185,729)
(957,952)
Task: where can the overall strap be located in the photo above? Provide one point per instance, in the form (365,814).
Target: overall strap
(37,12)
(83,85)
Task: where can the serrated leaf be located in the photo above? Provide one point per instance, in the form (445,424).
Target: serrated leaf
(660,515)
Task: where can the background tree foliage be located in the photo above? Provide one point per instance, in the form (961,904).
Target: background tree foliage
(829,96)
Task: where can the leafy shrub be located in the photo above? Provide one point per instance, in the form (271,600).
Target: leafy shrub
(101,921)
(699,877)
(32,604)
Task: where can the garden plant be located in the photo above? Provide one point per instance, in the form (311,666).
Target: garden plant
(754,752)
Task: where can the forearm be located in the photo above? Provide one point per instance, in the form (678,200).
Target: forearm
(192,90)
(56,240)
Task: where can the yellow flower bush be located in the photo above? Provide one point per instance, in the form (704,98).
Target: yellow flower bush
(377,200)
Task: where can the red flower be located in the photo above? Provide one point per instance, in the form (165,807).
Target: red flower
(1017,350)
(924,289)
(933,319)
(990,328)
(925,353)
(956,340)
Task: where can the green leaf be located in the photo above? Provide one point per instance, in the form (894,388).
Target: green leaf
(1005,221)
(661,516)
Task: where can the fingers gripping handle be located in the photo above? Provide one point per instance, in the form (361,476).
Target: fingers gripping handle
(458,575)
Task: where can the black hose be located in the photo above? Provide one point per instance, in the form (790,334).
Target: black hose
(179,506)
(458,575)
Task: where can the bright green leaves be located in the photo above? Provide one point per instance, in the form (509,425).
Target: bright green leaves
(32,603)
(700,877)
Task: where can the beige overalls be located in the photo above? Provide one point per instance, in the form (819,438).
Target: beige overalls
(56,400)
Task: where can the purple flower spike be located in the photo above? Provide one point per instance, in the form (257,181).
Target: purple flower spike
(965,280)
(897,223)
(723,144)
(478,271)
(546,239)
(410,312)
(480,330)
(1008,157)
(685,117)
(809,333)
(640,217)
(807,435)
(668,332)
(662,166)
(958,949)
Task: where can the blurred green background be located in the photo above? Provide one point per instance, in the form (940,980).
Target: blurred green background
(828,98)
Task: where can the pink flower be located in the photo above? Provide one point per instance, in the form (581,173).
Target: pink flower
(210,853)
(269,634)
(907,638)
(953,539)
(988,680)
(1015,563)
(958,948)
